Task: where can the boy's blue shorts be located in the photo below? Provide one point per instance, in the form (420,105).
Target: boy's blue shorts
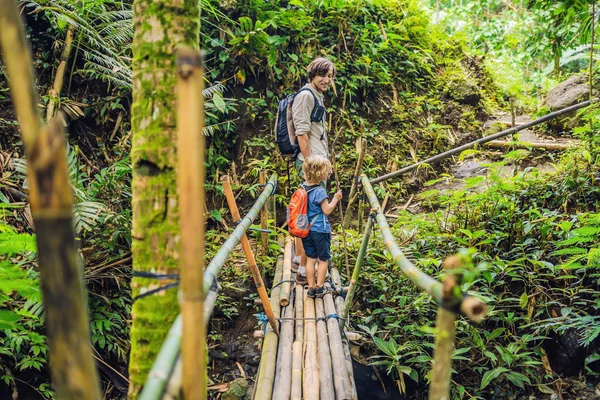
(317,245)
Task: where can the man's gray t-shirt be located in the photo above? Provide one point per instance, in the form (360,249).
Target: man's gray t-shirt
(304,103)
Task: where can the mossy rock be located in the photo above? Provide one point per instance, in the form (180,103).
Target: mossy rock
(461,86)
(237,390)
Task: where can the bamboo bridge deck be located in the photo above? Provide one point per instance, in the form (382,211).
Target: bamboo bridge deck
(310,358)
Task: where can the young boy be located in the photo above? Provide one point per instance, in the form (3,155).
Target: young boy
(318,242)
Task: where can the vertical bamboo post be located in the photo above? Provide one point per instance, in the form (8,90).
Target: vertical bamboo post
(337,184)
(190,148)
(356,273)
(266,370)
(284,298)
(258,281)
(73,370)
(264,218)
(326,377)
(445,331)
(353,189)
(310,377)
(513,116)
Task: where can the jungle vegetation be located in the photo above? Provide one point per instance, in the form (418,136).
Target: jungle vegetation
(415,78)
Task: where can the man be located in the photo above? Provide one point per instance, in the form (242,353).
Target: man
(308,112)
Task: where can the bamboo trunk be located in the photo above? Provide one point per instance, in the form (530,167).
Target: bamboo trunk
(310,376)
(352,197)
(190,148)
(72,366)
(258,281)
(297,371)
(283,374)
(299,303)
(59,78)
(444,337)
(264,236)
(266,371)
(501,144)
(284,299)
(324,354)
(343,389)
(298,344)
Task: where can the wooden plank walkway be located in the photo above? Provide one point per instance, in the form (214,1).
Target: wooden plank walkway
(311,358)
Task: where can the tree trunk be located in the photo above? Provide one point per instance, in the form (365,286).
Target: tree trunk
(160,27)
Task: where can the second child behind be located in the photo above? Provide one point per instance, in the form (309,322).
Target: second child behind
(318,242)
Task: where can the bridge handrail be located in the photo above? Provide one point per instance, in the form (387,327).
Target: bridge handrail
(470,307)
(483,140)
(167,357)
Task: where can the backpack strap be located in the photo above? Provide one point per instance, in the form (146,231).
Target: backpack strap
(304,89)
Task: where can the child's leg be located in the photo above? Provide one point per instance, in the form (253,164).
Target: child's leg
(310,272)
(300,256)
(322,272)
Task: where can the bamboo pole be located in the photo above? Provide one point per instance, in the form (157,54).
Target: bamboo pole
(59,77)
(157,381)
(190,149)
(483,140)
(217,262)
(342,384)
(470,307)
(298,344)
(310,376)
(264,218)
(345,309)
(339,304)
(444,336)
(73,371)
(500,144)
(299,305)
(284,298)
(258,281)
(324,355)
(283,374)
(296,371)
(353,189)
(337,184)
(266,370)
(165,378)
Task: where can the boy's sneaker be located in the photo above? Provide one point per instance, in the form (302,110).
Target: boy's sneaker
(311,293)
(322,291)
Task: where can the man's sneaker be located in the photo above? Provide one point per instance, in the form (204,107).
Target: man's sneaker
(311,293)
(301,279)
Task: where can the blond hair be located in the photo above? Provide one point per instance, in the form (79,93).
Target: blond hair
(315,168)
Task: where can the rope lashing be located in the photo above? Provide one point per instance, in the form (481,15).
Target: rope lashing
(453,306)
(152,275)
(153,291)
(263,320)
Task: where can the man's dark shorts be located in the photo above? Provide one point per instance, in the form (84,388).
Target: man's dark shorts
(317,245)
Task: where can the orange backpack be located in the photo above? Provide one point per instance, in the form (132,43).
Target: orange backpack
(297,213)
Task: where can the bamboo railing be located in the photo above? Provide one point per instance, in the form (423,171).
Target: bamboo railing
(483,140)
(470,307)
(165,362)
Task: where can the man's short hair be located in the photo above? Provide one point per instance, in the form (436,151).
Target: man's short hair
(319,66)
